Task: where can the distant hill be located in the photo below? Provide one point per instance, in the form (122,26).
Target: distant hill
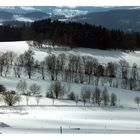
(6,15)
(36,15)
(26,17)
(126,20)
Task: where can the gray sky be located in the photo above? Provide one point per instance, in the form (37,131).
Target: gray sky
(69,2)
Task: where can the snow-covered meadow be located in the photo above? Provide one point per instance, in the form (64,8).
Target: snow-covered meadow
(48,118)
(71,119)
(103,56)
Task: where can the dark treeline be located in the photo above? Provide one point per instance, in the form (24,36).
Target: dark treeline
(11,33)
(74,34)
(71,34)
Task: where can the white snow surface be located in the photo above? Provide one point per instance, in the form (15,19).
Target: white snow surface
(72,120)
(48,118)
(19,48)
(69,12)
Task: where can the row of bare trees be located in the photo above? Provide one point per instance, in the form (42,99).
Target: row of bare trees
(34,90)
(97,96)
(9,60)
(88,94)
(71,68)
(57,90)
(12,97)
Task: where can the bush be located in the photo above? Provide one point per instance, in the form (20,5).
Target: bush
(49,95)
(11,98)
(71,96)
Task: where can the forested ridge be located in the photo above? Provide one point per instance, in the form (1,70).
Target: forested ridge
(71,34)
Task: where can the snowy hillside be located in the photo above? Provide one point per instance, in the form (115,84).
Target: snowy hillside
(103,56)
(126,97)
(49,116)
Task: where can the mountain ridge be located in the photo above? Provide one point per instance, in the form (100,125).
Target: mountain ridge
(126,18)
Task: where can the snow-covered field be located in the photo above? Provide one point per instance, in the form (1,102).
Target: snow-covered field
(71,119)
(46,118)
(103,56)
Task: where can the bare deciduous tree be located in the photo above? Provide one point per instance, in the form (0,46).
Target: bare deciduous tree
(68,88)
(42,69)
(124,68)
(113,99)
(21,86)
(21,60)
(6,63)
(71,96)
(83,98)
(132,84)
(134,73)
(11,98)
(105,96)
(73,67)
(76,99)
(111,69)
(38,97)
(50,95)
(137,100)
(2,63)
(56,89)
(53,63)
(88,67)
(29,62)
(27,94)
(12,55)
(85,94)
(93,98)
(35,89)
(18,65)
(62,60)
(98,96)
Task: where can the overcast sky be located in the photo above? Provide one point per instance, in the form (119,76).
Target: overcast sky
(69,2)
